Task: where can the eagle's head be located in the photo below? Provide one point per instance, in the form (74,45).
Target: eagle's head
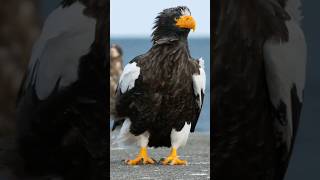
(173,22)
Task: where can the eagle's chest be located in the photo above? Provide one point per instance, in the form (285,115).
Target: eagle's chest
(168,85)
(171,81)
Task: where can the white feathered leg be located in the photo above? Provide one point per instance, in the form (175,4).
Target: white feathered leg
(178,139)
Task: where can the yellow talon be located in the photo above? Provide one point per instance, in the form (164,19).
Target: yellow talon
(141,158)
(173,159)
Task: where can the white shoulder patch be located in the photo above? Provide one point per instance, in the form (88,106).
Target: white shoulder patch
(179,138)
(285,65)
(293,8)
(67,35)
(128,77)
(201,62)
(199,82)
(61,20)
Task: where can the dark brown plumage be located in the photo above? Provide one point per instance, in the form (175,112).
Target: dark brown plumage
(163,97)
(160,93)
(248,139)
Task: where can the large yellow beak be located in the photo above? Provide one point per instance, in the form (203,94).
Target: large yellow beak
(186,22)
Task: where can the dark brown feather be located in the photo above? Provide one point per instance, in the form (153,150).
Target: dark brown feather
(244,136)
(163,96)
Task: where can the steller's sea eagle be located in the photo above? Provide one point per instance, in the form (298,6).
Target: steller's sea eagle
(62,103)
(160,93)
(259,77)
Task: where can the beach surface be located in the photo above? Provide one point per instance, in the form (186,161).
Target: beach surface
(196,152)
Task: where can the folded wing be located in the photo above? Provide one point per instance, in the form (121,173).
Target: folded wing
(199,85)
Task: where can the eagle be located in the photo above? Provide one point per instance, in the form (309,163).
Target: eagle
(259,70)
(160,93)
(62,103)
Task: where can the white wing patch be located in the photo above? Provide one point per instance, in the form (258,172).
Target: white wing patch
(199,82)
(179,138)
(285,65)
(293,8)
(66,35)
(128,77)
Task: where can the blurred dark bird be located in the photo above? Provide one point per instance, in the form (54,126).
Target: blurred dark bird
(62,103)
(116,68)
(160,93)
(259,75)
(19,26)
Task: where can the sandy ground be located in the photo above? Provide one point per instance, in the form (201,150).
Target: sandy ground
(196,152)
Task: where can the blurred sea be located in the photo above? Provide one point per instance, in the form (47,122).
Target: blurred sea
(199,47)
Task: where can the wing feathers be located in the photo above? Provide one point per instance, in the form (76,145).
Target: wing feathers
(199,82)
(128,77)
(293,8)
(67,35)
(285,64)
(199,85)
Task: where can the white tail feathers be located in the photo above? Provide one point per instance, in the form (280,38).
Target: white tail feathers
(125,138)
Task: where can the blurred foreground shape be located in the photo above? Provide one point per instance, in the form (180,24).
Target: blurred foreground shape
(116,68)
(19,26)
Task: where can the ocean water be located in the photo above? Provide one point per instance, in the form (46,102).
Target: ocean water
(199,47)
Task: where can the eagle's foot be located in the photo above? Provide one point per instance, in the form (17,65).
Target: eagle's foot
(173,159)
(142,158)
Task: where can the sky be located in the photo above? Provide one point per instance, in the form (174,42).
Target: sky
(130,18)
